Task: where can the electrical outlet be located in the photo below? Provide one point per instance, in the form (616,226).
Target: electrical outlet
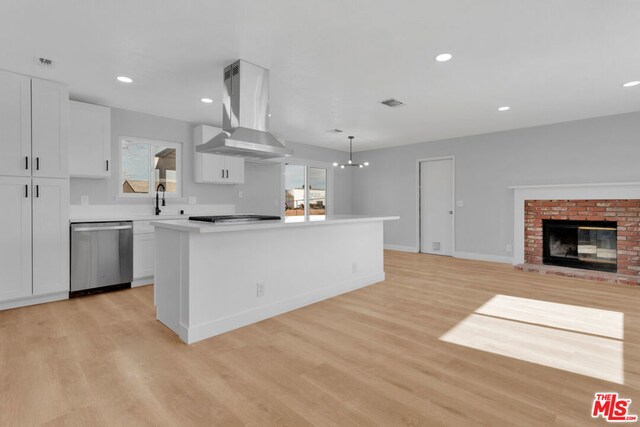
(460,203)
(260,289)
(84,200)
(509,248)
(240,195)
(354,267)
(193,200)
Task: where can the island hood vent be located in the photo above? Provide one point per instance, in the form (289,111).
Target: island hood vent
(245,116)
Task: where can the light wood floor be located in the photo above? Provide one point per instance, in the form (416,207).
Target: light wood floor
(371,357)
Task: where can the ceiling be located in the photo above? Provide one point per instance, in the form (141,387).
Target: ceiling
(332,61)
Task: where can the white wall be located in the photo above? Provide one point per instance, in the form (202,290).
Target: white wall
(262,181)
(605,149)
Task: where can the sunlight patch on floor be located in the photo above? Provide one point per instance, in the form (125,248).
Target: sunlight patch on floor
(576,339)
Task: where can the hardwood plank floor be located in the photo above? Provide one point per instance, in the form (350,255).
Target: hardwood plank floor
(371,357)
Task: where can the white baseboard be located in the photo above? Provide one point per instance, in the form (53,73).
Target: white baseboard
(484,257)
(209,329)
(33,300)
(401,248)
(142,282)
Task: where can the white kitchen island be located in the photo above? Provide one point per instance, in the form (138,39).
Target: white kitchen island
(212,278)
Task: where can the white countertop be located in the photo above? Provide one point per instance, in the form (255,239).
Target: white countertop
(143,212)
(295,221)
(104,218)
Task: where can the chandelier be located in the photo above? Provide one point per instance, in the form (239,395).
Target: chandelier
(350,163)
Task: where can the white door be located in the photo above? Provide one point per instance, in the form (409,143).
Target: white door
(89,140)
(15,124)
(144,255)
(49,129)
(15,229)
(50,235)
(234,167)
(436,207)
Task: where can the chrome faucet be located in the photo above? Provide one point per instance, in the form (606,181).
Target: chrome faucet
(157,198)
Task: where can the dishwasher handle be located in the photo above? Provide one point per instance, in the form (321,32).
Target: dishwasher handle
(115,227)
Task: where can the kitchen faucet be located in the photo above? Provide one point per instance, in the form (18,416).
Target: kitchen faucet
(157,198)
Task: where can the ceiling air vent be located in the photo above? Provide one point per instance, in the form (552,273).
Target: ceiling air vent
(392,103)
(45,62)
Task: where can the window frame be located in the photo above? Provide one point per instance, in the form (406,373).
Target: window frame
(307,164)
(178,146)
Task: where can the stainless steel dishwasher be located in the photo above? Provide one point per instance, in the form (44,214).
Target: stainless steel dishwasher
(101,256)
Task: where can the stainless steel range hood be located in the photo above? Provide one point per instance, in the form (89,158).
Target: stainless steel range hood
(245,116)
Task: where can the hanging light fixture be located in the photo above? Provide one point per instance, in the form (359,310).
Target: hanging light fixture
(350,163)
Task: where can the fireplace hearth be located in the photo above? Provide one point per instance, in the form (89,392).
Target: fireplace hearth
(590,245)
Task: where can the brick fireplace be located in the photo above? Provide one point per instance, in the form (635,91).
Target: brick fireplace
(614,217)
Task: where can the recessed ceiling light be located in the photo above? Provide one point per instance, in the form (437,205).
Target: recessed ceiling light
(505,108)
(125,79)
(631,84)
(207,100)
(444,57)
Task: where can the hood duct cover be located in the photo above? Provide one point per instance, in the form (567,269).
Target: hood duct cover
(245,116)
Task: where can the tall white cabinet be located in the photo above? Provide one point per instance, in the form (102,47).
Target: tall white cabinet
(15,229)
(34,188)
(50,213)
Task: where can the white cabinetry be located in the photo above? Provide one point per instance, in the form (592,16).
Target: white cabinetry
(144,253)
(15,124)
(34,189)
(33,127)
(50,235)
(89,140)
(212,168)
(49,129)
(15,229)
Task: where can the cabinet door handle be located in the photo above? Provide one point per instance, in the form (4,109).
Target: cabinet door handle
(37,163)
(107,161)
(227,173)
(37,191)
(26,162)
(222,173)
(26,190)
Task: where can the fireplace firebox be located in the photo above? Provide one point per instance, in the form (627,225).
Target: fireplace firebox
(590,245)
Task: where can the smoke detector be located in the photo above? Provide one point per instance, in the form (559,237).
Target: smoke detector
(391,102)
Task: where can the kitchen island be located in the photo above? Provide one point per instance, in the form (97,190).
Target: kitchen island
(213,278)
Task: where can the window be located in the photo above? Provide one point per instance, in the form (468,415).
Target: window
(305,191)
(146,164)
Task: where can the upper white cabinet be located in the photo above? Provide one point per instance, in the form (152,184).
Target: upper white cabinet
(15,124)
(89,140)
(49,129)
(15,229)
(34,116)
(212,168)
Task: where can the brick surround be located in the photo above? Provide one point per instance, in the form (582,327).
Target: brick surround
(625,212)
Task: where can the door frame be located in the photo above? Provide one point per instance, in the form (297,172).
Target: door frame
(308,164)
(419,197)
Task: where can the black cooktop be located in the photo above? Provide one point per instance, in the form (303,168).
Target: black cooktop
(234,218)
